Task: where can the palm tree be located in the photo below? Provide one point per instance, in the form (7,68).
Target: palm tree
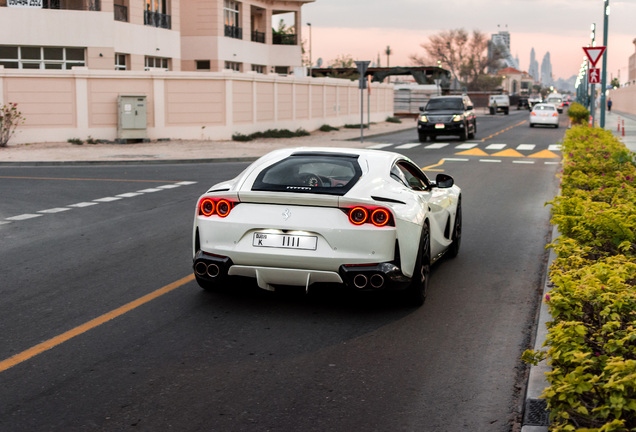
(388,52)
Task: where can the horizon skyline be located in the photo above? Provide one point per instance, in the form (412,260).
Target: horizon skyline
(368,38)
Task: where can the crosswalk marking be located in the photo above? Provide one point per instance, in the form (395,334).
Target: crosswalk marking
(23,217)
(83,204)
(522,147)
(379,146)
(54,210)
(107,199)
(436,146)
(496,146)
(466,146)
(554,147)
(408,146)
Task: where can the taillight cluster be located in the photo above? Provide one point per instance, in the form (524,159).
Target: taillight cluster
(219,207)
(377,216)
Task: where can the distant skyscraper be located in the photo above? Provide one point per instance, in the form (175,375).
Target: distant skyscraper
(533,70)
(546,71)
(502,40)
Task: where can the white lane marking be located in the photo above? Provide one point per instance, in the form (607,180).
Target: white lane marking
(466,146)
(150,190)
(83,204)
(107,199)
(490,160)
(408,146)
(523,162)
(554,147)
(23,217)
(379,146)
(186,183)
(4,222)
(129,194)
(436,146)
(456,159)
(54,210)
(526,146)
(551,163)
(168,186)
(496,146)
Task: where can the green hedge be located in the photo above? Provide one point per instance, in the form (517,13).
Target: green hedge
(592,339)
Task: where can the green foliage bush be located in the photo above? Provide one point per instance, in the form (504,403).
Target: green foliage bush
(327,128)
(10,119)
(592,338)
(578,114)
(271,133)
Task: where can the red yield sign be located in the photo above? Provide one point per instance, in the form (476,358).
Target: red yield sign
(594,53)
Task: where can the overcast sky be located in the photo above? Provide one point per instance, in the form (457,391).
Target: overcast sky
(363,28)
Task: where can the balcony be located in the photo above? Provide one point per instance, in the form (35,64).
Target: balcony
(156,19)
(233,32)
(283,39)
(258,36)
(83,5)
(121,13)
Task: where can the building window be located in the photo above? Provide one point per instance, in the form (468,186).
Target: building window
(281,70)
(203,64)
(157,63)
(232,19)
(121,61)
(121,11)
(258,69)
(235,66)
(16,57)
(156,14)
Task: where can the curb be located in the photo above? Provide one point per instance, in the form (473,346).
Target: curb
(535,415)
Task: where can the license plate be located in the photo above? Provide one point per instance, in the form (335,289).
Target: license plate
(285,241)
(439,126)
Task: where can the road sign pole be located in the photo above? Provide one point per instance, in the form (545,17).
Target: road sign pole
(362,70)
(604,72)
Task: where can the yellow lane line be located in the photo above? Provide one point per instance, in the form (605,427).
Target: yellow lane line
(430,167)
(90,179)
(57,340)
(504,130)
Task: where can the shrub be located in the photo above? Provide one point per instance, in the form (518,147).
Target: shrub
(592,338)
(355,126)
(10,118)
(327,128)
(241,137)
(578,114)
(75,141)
(393,120)
(271,133)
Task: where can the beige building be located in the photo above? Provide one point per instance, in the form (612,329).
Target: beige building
(207,35)
(515,81)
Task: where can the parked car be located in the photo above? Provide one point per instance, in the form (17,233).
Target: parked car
(368,219)
(447,115)
(499,103)
(544,114)
(523,103)
(556,100)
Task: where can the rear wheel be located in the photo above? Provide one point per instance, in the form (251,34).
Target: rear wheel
(422,137)
(416,291)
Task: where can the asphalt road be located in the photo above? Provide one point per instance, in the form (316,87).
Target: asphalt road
(78,243)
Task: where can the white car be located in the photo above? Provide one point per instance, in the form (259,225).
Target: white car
(544,114)
(368,219)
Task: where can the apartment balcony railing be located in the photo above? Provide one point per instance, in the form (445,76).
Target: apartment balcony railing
(258,36)
(156,19)
(121,13)
(233,32)
(283,39)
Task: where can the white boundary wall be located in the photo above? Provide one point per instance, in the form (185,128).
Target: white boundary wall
(58,105)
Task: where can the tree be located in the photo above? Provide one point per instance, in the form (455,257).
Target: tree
(342,61)
(388,53)
(10,118)
(464,55)
(615,83)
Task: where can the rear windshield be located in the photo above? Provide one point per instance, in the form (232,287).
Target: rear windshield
(311,173)
(544,108)
(445,104)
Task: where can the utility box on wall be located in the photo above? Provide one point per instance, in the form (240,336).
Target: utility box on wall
(132,117)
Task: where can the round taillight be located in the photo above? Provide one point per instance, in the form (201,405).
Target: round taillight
(207,207)
(358,215)
(380,217)
(223,208)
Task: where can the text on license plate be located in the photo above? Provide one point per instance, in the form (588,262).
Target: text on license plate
(439,125)
(286,241)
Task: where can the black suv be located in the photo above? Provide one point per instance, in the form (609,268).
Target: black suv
(447,115)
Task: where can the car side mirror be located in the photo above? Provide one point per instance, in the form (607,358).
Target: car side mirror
(421,109)
(444,181)
(469,107)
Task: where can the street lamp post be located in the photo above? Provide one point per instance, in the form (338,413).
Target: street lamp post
(606,12)
(310,63)
(592,89)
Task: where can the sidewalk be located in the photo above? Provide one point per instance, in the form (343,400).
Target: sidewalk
(189,150)
(612,124)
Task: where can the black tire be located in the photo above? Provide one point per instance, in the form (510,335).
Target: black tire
(453,250)
(507,111)
(422,137)
(463,135)
(531,124)
(415,293)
